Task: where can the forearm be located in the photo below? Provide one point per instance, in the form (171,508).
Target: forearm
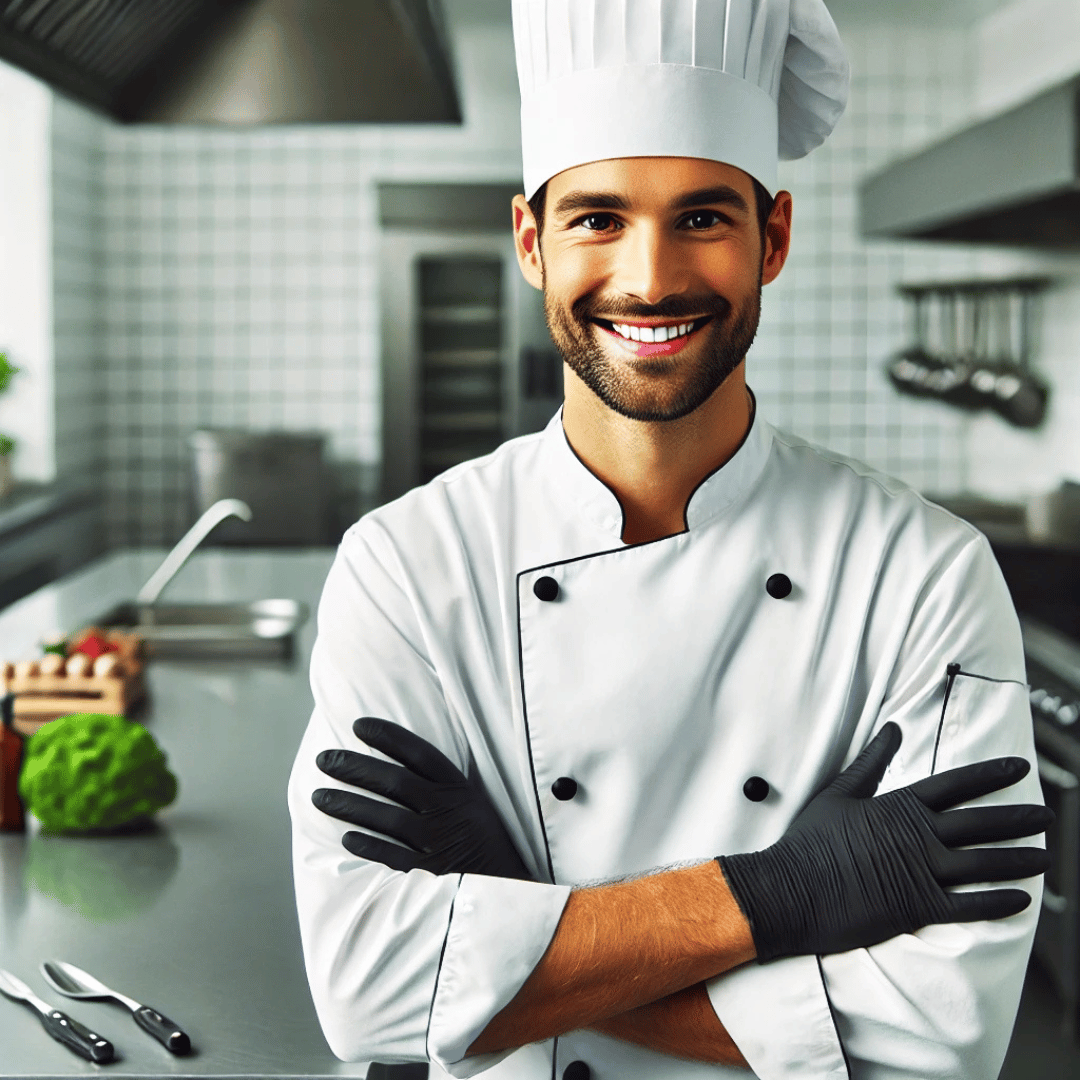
(683,1024)
(619,947)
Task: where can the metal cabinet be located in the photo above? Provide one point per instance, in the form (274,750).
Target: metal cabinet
(466,358)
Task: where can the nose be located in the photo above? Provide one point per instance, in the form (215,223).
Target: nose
(650,266)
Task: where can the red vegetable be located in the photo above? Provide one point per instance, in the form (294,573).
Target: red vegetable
(94,646)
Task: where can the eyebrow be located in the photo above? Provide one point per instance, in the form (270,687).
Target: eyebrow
(713,196)
(590,200)
(721,195)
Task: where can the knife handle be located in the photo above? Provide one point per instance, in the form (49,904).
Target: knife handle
(163,1029)
(77,1037)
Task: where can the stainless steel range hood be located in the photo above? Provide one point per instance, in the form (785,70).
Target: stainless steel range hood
(1012,179)
(239,61)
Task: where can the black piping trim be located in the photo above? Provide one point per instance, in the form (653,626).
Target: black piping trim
(742,442)
(528,734)
(622,511)
(951,671)
(438,973)
(595,555)
(987,678)
(686,523)
(555,1058)
(582,558)
(832,1013)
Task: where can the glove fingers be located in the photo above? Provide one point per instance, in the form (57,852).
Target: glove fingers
(407,747)
(973,865)
(986,824)
(969,782)
(359,810)
(861,778)
(371,774)
(382,851)
(987,904)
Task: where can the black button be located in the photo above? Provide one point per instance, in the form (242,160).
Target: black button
(576,1070)
(778,586)
(546,588)
(564,788)
(756,789)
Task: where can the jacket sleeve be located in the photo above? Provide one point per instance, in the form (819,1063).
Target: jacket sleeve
(939,1003)
(402,966)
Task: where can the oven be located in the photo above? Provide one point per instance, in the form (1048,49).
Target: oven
(1053,668)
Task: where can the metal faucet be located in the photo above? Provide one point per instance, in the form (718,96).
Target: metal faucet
(187,544)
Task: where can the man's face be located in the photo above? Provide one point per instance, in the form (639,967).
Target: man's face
(652,274)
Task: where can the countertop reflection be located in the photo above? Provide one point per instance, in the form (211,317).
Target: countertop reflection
(194,914)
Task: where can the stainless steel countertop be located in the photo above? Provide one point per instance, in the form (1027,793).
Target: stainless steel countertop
(196,918)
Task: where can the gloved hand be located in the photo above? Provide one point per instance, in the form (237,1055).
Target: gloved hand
(447,819)
(852,870)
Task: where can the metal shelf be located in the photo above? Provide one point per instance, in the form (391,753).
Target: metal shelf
(457,358)
(462,313)
(481,422)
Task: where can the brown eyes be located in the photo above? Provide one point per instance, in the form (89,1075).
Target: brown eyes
(597,222)
(696,221)
(702,219)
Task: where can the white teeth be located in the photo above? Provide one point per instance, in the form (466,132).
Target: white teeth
(652,333)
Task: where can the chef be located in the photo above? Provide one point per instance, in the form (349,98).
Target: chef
(662,744)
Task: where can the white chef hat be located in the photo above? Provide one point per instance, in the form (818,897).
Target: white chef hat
(745,82)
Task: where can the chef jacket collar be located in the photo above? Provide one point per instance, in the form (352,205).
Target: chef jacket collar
(597,503)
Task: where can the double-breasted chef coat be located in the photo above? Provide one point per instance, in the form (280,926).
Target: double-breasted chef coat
(630,707)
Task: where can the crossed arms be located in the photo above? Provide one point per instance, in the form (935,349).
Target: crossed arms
(354,916)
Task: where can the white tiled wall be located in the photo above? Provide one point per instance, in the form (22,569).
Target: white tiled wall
(238,273)
(26,412)
(833,317)
(241,289)
(78,274)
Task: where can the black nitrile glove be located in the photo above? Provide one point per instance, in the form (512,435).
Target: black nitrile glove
(852,870)
(447,820)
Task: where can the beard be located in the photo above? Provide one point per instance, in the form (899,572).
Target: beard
(655,388)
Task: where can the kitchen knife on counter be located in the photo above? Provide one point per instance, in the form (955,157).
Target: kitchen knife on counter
(63,1029)
(76,983)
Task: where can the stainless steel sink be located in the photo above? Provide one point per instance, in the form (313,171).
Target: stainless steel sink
(259,629)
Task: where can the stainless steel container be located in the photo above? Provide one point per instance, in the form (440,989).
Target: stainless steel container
(280,475)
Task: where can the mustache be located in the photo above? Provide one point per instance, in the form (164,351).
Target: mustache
(616,308)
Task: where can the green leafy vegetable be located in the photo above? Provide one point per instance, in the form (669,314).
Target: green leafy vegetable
(92,771)
(6,371)
(7,443)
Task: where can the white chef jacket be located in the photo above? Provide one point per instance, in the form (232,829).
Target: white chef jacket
(661,678)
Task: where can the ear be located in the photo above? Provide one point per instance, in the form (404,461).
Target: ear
(527,243)
(777,238)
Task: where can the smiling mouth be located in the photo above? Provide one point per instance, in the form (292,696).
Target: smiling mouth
(646,334)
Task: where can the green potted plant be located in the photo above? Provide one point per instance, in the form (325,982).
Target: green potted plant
(7,443)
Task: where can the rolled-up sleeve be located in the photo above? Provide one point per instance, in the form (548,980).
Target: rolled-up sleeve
(939,1003)
(402,966)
